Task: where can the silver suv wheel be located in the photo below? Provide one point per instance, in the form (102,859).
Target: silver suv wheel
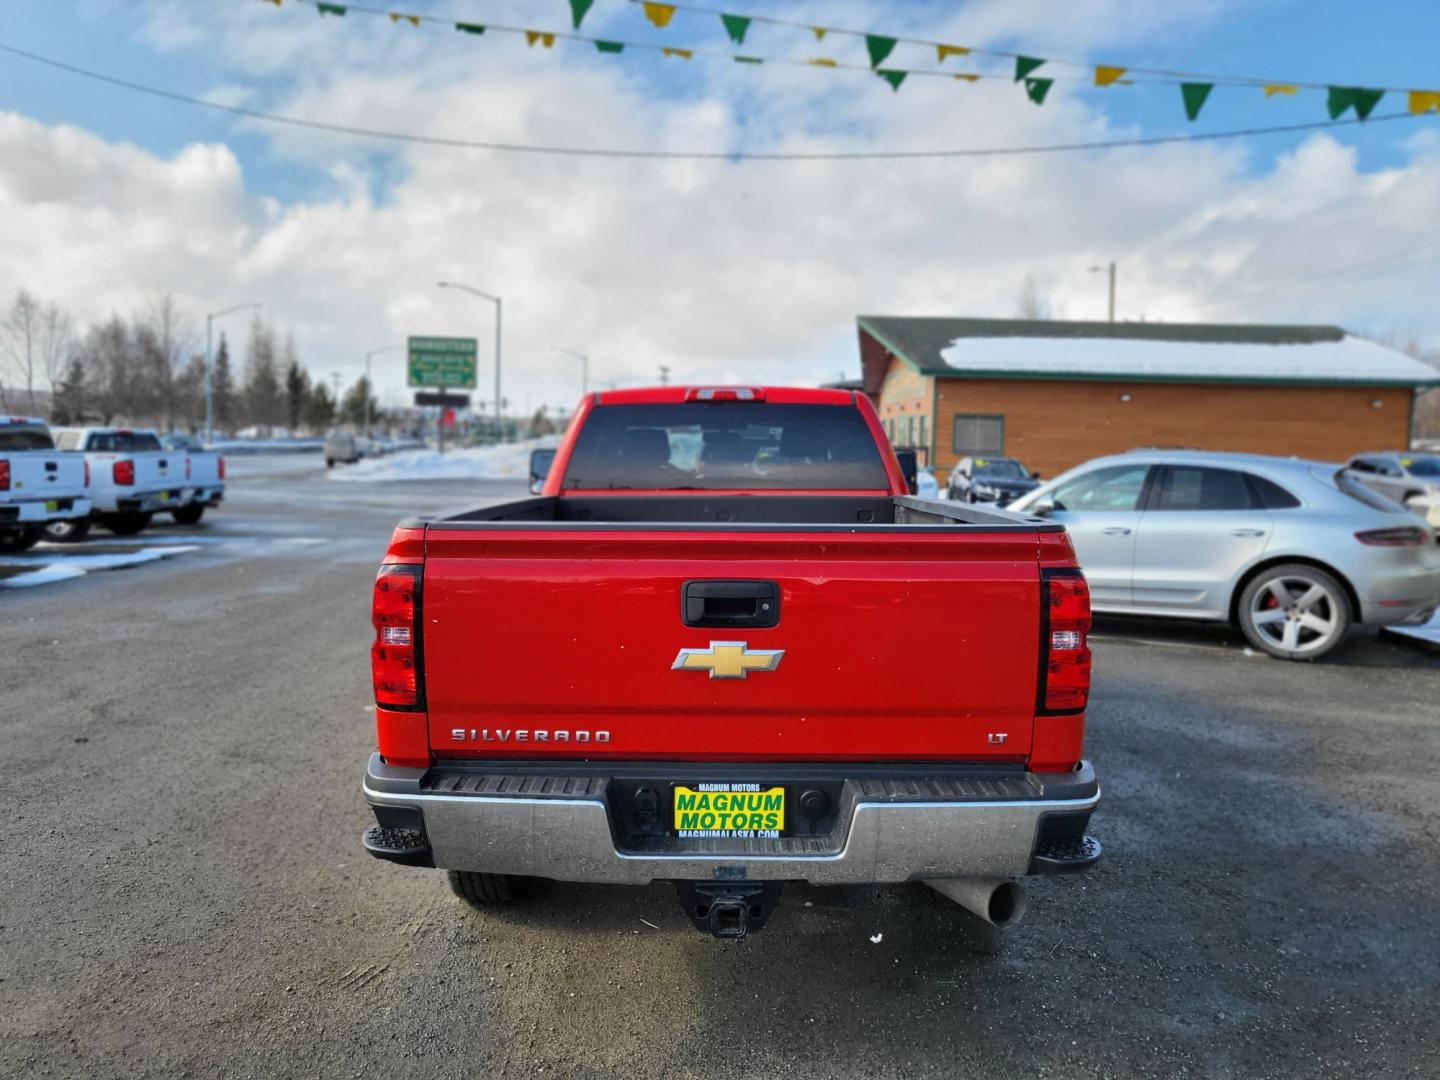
(1295,612)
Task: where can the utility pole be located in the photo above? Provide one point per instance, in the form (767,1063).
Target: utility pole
(370,386)
(1110,268)
(210,364)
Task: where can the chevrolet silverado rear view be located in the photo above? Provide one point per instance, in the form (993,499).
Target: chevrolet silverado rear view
(724,648)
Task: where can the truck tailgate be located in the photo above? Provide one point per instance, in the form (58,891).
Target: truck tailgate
(44,474)
(895,646)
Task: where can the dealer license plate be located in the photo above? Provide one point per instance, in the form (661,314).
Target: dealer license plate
(164,496)
(51,505)
(722,811)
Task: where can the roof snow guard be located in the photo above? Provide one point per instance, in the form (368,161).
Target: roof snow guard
(1143,352)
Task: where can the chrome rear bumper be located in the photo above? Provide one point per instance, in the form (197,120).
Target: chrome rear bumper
(561,827)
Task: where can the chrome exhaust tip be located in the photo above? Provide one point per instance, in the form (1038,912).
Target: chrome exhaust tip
(997,901)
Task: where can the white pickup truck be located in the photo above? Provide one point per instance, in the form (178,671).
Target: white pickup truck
(38,486)
(207,478)
(132,477)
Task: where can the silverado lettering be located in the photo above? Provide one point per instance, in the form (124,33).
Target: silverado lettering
(927,722)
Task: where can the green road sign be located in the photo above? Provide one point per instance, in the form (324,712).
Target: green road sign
(442,361)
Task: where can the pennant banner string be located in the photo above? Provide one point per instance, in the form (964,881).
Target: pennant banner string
(730,156)
(1164,74)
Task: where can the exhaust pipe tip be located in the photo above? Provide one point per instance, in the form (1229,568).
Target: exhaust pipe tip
(997,901)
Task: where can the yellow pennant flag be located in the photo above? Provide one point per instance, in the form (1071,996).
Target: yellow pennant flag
(1108,76)
(821,61)
(1423,101)
(544,38)
(683,54)
(818,31)
(968,78)
(659,14)
(942,51)
(275,2)
(396,16)
(1271,89)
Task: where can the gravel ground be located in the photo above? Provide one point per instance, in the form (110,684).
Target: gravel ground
(182,890)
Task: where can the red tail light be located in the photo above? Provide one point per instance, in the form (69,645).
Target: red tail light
(394,658)
(725,393)
(4,475)
(87,472)
(1401,536)
(124,472)
(220,464)
(1066,652)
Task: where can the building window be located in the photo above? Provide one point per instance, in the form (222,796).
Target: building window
(909,431)
(924,442)
(978,433)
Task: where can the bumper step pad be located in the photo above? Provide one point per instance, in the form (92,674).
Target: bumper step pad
(1066,854)
(405,846)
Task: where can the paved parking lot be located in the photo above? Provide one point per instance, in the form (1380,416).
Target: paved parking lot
(182,890)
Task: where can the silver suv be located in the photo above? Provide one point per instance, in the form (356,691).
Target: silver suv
(1294,552)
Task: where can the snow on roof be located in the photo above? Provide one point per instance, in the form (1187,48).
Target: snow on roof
(1349,360)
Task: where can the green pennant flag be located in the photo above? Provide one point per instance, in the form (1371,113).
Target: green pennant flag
(578,10)
(748,60)
(609,46)
(894,78)
(1024,65)
(331,9)
(1038,88)
(736,26)
(469,28)
(1362,100)
(880,48)
(1194,95)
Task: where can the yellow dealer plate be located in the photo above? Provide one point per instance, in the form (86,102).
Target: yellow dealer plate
(720,811)
(51,505)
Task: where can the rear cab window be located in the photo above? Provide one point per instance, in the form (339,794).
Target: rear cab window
(717,446)
(17,438)
(122,441)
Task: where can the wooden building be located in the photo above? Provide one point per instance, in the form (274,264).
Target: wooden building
(1055,394)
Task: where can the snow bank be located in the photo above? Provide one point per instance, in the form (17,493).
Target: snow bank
(509,461)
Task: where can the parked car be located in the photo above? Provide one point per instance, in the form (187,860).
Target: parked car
(1294,552)
(343,447)
(1409,478)
(206,473)
(1000,480)
(132,477)
(38,485)
(754,679)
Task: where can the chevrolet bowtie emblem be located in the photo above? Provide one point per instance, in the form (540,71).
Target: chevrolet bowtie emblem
(728,660)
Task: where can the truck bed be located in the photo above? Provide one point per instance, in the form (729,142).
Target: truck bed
(909,628)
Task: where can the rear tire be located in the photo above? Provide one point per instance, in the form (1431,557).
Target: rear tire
(71,531)
(189,515)
(1295,612)
(329,463)
(126,524)
(21,539)
(486,890)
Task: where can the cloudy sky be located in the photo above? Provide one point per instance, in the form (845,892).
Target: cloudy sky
(723,270)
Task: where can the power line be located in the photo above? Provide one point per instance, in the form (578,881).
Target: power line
(687,155)
(1411,258)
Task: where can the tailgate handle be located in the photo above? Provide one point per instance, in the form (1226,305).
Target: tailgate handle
(730,603)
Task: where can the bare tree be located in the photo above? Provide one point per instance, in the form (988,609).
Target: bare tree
(56,344)
(169,341)
(1031,304)
(19,345)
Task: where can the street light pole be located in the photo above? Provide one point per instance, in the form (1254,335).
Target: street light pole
(1111,269)
(369,386)
(210,363)
(584,367)
(499,421)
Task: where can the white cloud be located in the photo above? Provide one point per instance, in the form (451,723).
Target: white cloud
(719,270)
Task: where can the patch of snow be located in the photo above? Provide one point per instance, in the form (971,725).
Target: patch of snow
(504,462)
(875,939)
(1350,358)
(62,567)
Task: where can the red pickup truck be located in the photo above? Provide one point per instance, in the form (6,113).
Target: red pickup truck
(725,648)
